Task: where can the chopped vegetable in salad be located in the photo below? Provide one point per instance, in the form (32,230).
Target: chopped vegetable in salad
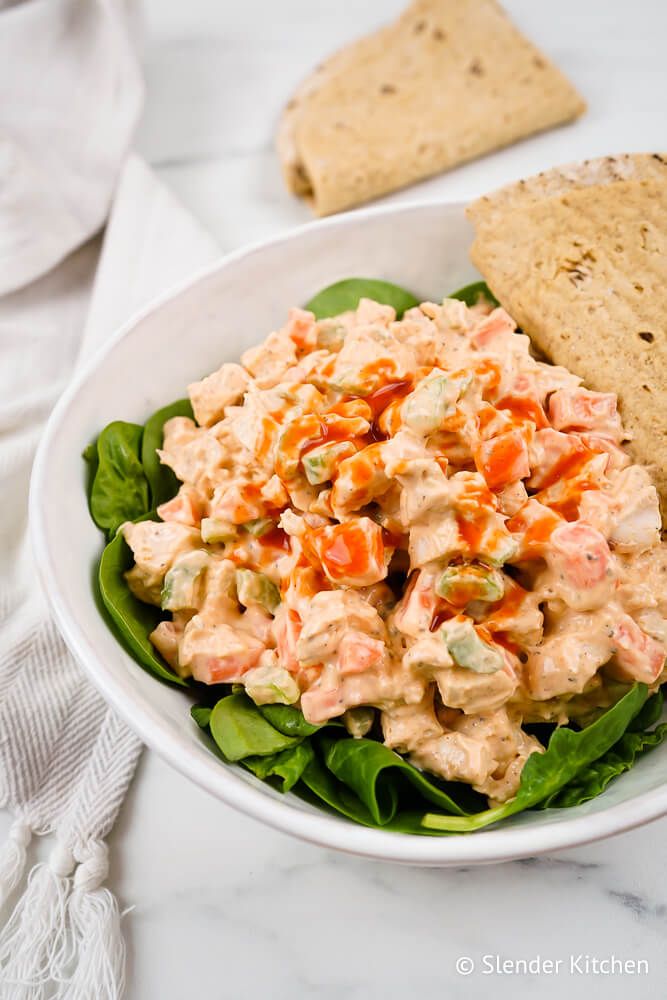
(411,526)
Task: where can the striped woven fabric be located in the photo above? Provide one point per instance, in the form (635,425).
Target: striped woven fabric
(65,758)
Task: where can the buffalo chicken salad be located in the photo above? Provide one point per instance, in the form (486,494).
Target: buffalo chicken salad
(417,554)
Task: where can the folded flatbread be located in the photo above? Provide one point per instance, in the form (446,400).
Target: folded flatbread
(446,82)
(578,256)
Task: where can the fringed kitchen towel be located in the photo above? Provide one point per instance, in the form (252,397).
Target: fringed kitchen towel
(65,759)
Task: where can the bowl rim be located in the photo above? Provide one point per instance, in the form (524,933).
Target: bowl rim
(484,847)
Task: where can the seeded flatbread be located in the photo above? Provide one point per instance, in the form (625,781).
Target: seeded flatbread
(448,81)
(578,256)
(560,180)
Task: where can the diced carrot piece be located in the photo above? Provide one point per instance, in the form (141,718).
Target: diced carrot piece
(637,656)
(185,507)
(287,629)
(503,459)
(224,669)
(495,327)
(351,553)
(358,652)
(581,409)
(580,553)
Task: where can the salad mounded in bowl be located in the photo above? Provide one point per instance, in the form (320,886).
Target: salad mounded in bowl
(408,570)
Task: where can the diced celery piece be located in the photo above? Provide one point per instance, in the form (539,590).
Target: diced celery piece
(271,685)
(179,590)
(256,588)
(330,335)
(470,582)
(359,721)
(425,409)
(467,649)
(214,530)
(351,381)
(320,463)
(503,550)
(259,526)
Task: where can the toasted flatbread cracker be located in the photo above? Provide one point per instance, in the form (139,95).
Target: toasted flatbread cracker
(446,82)
(578,256)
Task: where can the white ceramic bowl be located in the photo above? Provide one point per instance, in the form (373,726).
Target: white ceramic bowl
(186,334)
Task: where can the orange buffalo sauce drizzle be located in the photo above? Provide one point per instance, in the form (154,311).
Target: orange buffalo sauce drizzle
(568,465)
(568,506)
(381,398)
(471,530)
(503,639)
(443,615)
(276,538)
(523,408)
(486,415)
(266,438)
(534,534)
(565,469)
(490,371)
(328,434)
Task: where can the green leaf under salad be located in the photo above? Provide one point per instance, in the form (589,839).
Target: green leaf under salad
(134,620)
(346,295)
(202,715)
(362,776)
(471,294)
(163,483)
(240,730)
(568,754)
(119,491)
(287,720)
(373,772)
(636,740)
(287,767)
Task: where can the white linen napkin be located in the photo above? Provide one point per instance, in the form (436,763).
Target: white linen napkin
(69,94)
(65,758)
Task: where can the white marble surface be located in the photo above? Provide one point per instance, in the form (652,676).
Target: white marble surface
(222,907)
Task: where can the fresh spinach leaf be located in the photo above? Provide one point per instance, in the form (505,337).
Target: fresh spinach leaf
(163,483)
(471,294)
(321,788)
(345,295)
(569,754)
(649,714)
(240,730)
(595,779)
(287,720)
(92,461)
(202,715)
(374,773)
(325,788)
(621,757)
(133,619)
(119,490)
(287,766)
